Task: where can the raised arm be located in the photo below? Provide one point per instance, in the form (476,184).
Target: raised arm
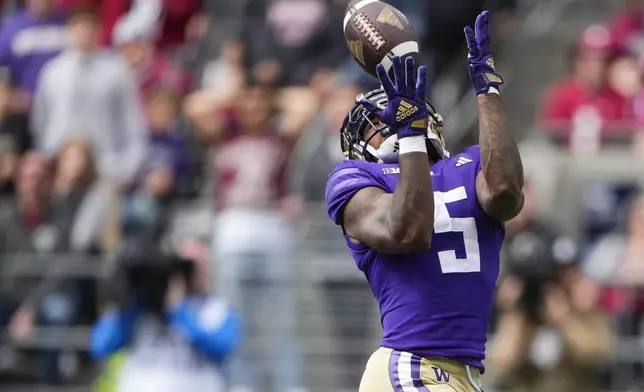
(499,185)
(401,222)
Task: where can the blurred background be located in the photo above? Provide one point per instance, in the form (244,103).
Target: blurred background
(207,128)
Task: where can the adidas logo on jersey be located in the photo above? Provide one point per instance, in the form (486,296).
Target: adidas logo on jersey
(405,110)
(462,161)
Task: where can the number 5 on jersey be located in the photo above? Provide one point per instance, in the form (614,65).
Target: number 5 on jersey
(444,223)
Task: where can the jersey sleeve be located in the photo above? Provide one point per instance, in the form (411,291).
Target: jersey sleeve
(343,183)
(464,168)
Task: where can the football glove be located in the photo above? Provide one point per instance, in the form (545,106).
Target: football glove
(406,112)
(483,75)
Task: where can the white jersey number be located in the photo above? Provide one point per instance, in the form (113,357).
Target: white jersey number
(444,223)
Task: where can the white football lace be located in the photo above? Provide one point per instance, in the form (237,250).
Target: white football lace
(367,29)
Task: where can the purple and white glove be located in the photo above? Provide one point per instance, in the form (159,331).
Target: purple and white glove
(406,112)
(483,75)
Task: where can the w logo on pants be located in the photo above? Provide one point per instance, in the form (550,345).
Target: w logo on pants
(391,370)
(441,375)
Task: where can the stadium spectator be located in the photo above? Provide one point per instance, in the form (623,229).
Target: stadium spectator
(624,87)
(171,22)
(143,16)
(177,336)
(623,76)
(627,30)
(553,332)
(29,38)
(567,351)
(8,164)
(224,76)
(166,170)
(253,239)
(617,263)
(152,69)
(317,151)
(533,248)
(617,259)
(39,224)
(27,225)
(169,138)
(293,35)
(87,93)
(533,255)
(296,106)
(77,189)
(578,108)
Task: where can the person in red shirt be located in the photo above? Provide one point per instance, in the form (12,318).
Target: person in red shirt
(589,57)
(583,101)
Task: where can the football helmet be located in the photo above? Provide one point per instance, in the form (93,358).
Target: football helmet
(358,120)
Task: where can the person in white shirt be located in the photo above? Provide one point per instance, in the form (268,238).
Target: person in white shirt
(89,94)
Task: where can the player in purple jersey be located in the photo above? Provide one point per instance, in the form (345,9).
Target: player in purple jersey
(426,228)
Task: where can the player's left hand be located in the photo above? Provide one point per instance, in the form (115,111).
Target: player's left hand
(406,111)
(483,74)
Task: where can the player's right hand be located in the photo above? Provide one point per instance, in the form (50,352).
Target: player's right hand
(406,112)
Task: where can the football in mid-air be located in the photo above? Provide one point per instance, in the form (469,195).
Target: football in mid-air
(375,32)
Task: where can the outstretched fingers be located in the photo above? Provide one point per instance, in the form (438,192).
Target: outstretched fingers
(421,81)
(399,73)
(385,81)
(410,73)
(482,28)
(470,37)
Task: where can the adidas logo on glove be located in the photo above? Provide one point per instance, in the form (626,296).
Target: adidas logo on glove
(405,110)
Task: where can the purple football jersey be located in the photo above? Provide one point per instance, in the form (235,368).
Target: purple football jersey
(435,303)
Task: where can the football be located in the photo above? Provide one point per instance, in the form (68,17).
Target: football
(375,32)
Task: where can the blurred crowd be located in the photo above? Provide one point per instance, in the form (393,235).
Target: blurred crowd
(116,113)
(567,310)
(600,102)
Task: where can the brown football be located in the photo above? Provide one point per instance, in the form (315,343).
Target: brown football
(375,32)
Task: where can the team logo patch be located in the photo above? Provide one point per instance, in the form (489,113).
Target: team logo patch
(490,63)
(420,123)
(357,50)
(405,109)
(387,16)
(493,78)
